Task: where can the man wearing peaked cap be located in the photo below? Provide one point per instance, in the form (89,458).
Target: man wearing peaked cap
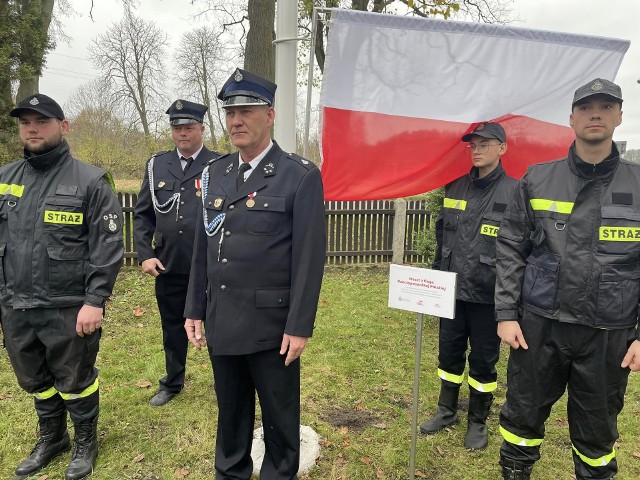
(255,277)
(567,292)
(466,230)
(164,225)
(62,219)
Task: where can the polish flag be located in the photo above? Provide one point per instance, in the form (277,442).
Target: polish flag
(398,93)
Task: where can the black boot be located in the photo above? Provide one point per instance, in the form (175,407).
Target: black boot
(54,440)
(512,470)
(447,413)
(85,451)
(477,436)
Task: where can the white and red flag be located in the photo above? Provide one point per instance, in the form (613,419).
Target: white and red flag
(398,93)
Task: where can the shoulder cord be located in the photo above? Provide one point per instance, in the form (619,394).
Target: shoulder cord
(211,228)
(168,205)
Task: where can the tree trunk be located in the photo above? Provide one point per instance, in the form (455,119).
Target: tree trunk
(259,55)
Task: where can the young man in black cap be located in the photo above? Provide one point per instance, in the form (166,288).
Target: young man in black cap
(255,277)
(61,249)
(164,226)
(567,292)
(465,232)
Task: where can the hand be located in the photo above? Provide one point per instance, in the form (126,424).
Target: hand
(194,332)
(510,332)
(294,346)
(151,265)
(632,358)
(89,320)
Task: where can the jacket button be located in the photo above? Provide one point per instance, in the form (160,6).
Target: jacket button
(223,287)
(227,233)
(180,232)
(231,207)
(279,300)
(224,261)
(210,203)
(181,217)
(182,189)
(266,205)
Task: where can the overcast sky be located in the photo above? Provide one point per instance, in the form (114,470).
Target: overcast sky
(68,66)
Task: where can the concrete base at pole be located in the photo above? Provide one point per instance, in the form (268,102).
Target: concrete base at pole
(309,449)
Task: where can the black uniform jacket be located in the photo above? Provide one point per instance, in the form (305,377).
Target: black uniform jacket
(171,232)
(466,230)
(569,247)
(260,275)
(60,232)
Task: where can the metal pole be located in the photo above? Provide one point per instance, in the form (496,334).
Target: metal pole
(307,112)
(286,59)
(416,395)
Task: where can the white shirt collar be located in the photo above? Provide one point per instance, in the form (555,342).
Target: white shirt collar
(254,163)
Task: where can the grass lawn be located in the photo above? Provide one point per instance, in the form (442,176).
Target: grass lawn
(356,392)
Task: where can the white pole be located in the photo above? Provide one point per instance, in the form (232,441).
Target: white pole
(286,63)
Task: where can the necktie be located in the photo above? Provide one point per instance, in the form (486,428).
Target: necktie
(244,167)
(188,160)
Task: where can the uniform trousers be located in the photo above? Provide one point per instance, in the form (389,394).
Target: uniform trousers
(237,379)
(51,361)
(171,294)
(473,323)
(586,361)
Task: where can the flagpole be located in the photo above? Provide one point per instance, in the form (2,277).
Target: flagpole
(416,395)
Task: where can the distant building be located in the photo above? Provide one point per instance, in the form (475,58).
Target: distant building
(622,146)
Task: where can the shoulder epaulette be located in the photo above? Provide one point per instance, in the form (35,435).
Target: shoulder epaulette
(302,161)
(221,156)
(159,153)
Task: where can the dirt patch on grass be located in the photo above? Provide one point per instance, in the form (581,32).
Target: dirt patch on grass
(355,420)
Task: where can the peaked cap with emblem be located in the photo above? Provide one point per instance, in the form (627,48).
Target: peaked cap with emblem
(182,112)
(40,103)
(598,86)
(487,130)
(245,88)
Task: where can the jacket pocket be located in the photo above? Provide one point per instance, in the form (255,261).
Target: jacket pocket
(485,277)
(618,293)
(619,233)
(67,270)
(450,219)
(63,213)
(541,280)
(445,262)
(490,226)
(266,216)
(272,297)
(513,226)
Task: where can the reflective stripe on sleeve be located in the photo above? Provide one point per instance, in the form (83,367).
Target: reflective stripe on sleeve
(595,462)
(516,440)
(450,377)
(93,388)
(50,392)
(11,189)
(551,205)
(482,387)
(455,203)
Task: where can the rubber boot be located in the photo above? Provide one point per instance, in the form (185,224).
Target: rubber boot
(85,451)
(477,436)
(54,440)
(512,470)
(447,412)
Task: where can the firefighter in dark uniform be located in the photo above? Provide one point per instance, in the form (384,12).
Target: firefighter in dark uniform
(255,277)
(164,226)
(567,292)
(466,230)
(60,250)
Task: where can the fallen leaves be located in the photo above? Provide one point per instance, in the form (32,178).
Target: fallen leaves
(143,384)
(181,472)
(138,458)
(138,311)
(636,454)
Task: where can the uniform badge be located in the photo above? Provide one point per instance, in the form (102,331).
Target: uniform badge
(238,76)
(217,203)
(269,168)
(161,184)
(597,85)
(34,101)
(479,127)
(251,202)
(111,222)
(305,162)
(229,168)
(198,193)
(179,105)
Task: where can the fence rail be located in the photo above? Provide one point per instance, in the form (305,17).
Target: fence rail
(357,232)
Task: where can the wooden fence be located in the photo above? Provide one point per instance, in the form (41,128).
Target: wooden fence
(357,232)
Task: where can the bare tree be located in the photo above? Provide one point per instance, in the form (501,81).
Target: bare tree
(130,56)
(199,57)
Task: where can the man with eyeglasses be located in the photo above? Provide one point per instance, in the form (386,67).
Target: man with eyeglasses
(466,230)
(567,292)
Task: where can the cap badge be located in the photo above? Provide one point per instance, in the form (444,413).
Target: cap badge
(597,85)
(34,101)
(305,162)
(217,203)
(179,105)
(479,127)
(238,76)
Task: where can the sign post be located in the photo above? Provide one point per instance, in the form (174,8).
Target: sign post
(421,290)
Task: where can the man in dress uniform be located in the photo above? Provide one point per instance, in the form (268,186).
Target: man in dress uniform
(567,292)
(60,252)
(164,225)
(255,277)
